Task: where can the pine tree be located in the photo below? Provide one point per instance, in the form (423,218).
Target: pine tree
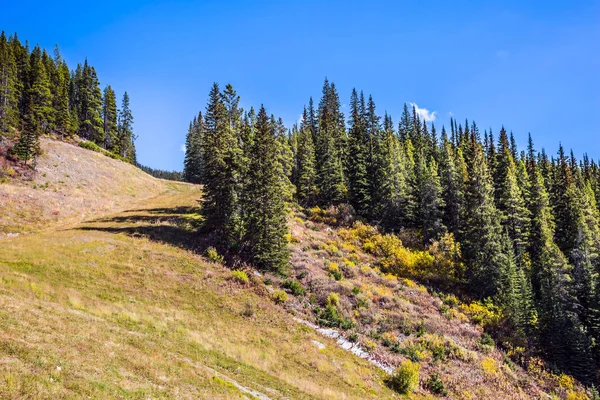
(193,164)
(510,200)
(395,197)
(264,238)
(306,189)
(39,114)
(330,148)
(109,116)
(481,234)
(563,202)
(9,96)
(452,181)
(286,159)
(432,204)
(125,136)
(358,183)
(219,206)
(89,97)
(561,333)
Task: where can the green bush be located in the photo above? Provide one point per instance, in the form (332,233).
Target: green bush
(279,296)
(436,385)
(487,340)
(212,255)
(240,276)
(295,287)
(331,317)
(91,146)
(405,378)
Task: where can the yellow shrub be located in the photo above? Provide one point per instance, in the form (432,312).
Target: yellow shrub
(481,313)
(370,345)
(279,296)
(490,367)
(566,381)
(240,276)
(333,299)
(571,395)
(408,282)
(349,263)
(406,377)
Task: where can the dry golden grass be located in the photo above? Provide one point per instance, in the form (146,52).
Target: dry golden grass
(122,308)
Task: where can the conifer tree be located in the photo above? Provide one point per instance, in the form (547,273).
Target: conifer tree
(193,164)
(451,180)
(9,96)
(109,116)
(219,206)
(286,159)
(394,194)
(39,113)
(509,198)
(89,98)
(358,181)
(432,204)
(125,136)
(306,189)
(330,148)
(264,238)
(481,231)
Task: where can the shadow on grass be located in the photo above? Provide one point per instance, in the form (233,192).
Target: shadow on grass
(177,226)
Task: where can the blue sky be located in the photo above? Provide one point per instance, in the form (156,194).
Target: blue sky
(531,66)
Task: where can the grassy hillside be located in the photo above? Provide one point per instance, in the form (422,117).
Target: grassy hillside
(71,184)
(112,298)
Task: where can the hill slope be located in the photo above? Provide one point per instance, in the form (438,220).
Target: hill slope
(121,305)
(71,184)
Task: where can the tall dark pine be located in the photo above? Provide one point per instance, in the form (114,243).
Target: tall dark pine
(306,189)
(330,148)
(481,231)
(90,106)
(220,182)
(125,136)
(264,238)
(109,116)
(358,180)
(193,164)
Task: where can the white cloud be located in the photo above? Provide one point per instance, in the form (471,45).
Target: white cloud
(182,148)
(424,113)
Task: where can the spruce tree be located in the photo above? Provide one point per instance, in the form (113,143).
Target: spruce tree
(109,116)
(219,206)
(358,180)
(89,97)
(330,148)
(306,189)
(481,232)
(264,238)
(9,96)
(432,204)
(125,136)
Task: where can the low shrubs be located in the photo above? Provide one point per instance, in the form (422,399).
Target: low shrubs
(212,255)
(330,316)
(435,385)
(240,276)
(279,296)
(405,378)
(294,286)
